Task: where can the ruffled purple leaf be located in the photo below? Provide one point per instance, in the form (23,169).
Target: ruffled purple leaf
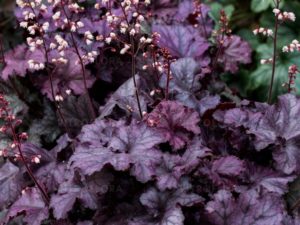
(166,206)
(68,192)
(175,121)
(207,103)
(166,175)
(17,61)
(32,205)
(277,127)
(228,166)
(186,12)
(11,184)
(181,41)
(249,208)
(235,52)
(184,82)
(173,167)
(224,172)
(139,140)
(129,145)
(266,179)
(125,98)
(100,132)
(92,159)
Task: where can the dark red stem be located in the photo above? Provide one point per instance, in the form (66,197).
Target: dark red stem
(274,56)
(29,171)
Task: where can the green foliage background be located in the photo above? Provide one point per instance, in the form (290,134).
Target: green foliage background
(253,80)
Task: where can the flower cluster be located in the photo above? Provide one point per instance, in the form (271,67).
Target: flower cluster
(283,16)
(294,46)
(263,31)
(8,127)
(290,85)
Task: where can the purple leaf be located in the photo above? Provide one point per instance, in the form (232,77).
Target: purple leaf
(127,145)
(277,127)
(181,41)
(11,183)
(248,209)
(124,98)
(175,121)
(167,205)
(207,103)
(166,175)
(173,167)
(99,132)
(135,138)
(266,178)
(184,81)
(138,140)
(68,192)
(92,159)
(186,11)
(229,165)
(235,51)
(32,205)
(17,61)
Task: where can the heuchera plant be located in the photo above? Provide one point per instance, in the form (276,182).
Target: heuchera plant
(113,112)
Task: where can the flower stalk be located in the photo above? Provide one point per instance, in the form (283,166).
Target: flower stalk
(90,102)
(274,53)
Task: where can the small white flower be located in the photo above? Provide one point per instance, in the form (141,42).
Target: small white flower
(108,40)
(140,18)
(52,45)
(125,49)
(45,26)
(112,35)
(43,7)
(24,24)
(56,16)
(269,32)
(109,19)
(276,11)
(149,40)
(80,24)
(59,98)
(143,40)
(132,32)
(255,32)
(123,30)
(285,49)
(36,160)
(291,16)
